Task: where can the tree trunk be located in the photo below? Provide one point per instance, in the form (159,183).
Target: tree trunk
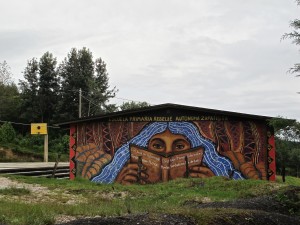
(283,173)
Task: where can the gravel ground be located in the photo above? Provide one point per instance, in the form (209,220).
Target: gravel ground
(8,183)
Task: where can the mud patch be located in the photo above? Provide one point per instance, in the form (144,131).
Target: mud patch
(141,219)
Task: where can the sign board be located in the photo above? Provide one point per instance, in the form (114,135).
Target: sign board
(39,128)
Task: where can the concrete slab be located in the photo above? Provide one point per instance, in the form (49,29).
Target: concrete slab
(11,165)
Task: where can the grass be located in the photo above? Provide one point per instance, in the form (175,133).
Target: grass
(289,180)
(14,191)
(84,198)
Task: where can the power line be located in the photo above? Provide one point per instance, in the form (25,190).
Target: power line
(126,99)
(23,124)
(89,101)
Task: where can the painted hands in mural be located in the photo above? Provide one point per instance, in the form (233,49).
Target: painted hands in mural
(133,173)
(90,160)
(200,171)
(248,169)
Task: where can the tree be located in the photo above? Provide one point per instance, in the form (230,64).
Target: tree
(48,83)
(287,134)
(294,160)
(80,72)
(40,90)
(5,73)
(51,94)
(100,89)
(295,36)
(133,105)
(9,102)
(7,133)
(9,94)
(29,92)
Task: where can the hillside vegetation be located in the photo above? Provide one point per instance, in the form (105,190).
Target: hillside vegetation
(216,200)
(30,148)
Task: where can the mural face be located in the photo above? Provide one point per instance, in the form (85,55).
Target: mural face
(144,153)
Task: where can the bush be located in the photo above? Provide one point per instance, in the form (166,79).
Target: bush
(7,133)
(60,144)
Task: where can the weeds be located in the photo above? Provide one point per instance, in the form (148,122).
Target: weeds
(81,197)
(14,191)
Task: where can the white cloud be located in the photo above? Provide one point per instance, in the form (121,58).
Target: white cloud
(218,54)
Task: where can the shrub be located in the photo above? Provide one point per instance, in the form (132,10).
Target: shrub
(7,133)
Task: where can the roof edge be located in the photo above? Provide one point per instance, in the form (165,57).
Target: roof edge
(162,106)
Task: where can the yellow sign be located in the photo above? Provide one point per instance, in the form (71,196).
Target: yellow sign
(39,128)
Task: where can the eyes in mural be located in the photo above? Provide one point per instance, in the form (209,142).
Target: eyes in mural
(168,142)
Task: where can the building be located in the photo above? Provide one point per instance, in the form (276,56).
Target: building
(167,141)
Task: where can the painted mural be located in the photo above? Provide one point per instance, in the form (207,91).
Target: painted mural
(149,152)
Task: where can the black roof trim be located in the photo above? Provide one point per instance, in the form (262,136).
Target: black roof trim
(164,106)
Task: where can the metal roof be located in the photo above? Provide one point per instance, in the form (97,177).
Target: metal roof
(164,106)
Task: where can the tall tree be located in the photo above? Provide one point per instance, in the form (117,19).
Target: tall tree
(29,92)
(80,72)
(48,91)
(5,73)
(9,102)
(51,94)
(40,89)
(9,94)
(295,36)
(100,89)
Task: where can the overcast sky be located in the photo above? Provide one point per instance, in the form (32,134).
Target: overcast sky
(218,54)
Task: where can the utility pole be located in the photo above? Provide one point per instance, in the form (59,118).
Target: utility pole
(46,147)
(80,103)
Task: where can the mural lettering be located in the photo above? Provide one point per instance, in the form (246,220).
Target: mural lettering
(167,118)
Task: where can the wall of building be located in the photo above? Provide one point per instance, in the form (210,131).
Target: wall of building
(153,151)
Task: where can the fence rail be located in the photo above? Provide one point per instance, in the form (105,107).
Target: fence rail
(49,172)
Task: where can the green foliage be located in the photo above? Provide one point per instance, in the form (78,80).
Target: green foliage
(286,129)
(133,105)
(79,71)
(31,148)
(29,92)
(9,95)
(60,145)
(40,89)
(295,36)
(287,134)
(7,133)
(10,102)
(50,93)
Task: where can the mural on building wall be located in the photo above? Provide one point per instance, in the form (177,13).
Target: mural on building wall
(150,152)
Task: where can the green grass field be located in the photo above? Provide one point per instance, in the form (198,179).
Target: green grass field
(82,198)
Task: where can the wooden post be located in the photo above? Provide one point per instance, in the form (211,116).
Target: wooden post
(46,148)
(79,110)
